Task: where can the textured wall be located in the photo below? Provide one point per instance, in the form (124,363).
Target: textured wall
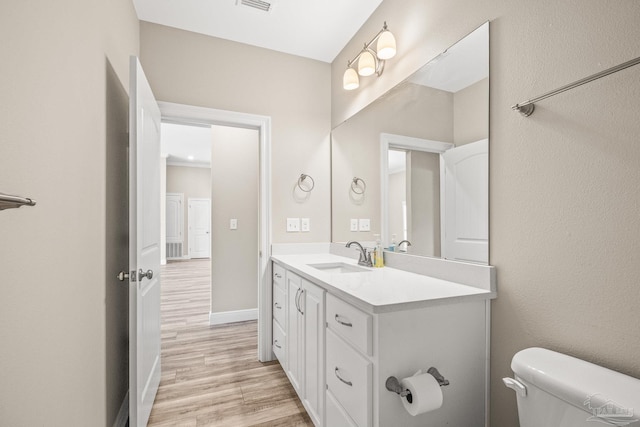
(564,203)
(63,141)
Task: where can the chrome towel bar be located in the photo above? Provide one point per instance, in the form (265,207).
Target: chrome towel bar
(526,108)
(8,201)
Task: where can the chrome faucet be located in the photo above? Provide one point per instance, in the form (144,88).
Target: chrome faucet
(365,256)
(404,241)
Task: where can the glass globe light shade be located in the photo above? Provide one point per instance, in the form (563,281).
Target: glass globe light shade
(386,46)
(366,64)
(350,80)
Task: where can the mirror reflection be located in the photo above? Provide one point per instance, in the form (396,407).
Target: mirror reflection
(422,150)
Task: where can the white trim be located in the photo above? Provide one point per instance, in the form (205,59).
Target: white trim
(189,165)
(185,114)
(408,143)
(123,413)
(223,317)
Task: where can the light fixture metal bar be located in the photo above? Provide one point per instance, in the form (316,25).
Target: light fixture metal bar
(526,108)
(368,45)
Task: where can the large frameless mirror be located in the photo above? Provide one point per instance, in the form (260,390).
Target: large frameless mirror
(414,163)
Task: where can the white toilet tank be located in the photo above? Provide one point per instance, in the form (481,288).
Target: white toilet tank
(556,390)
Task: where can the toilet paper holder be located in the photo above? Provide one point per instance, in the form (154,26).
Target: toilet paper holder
(393,384)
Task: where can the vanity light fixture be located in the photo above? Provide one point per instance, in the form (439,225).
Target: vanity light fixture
(369,61)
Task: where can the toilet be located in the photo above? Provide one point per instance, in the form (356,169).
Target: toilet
(556,390)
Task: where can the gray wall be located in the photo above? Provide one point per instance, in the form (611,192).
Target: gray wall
(235,194)
(63,139)
(470,113)
(192,182)
(193,69)
(426,113)
(423,205)
(564,221)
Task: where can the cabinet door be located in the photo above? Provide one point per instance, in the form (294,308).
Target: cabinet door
(295,331)
(314,326)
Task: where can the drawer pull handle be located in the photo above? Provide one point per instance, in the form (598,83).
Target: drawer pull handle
(349,383)
(277,306)
(278,275)
(349,324)
(276,344)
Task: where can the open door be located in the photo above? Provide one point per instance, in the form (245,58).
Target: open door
(144,247)
(465,211)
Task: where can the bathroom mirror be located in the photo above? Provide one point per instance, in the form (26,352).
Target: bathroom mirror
(414,163)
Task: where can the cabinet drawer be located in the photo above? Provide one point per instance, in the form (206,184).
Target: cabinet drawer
(279,305)
(279,344)
(350,323)
(278,275)
(349,377)
(336,416)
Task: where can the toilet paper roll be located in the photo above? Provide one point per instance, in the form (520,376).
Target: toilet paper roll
(426,394)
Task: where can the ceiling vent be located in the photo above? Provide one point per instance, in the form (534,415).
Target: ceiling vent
(256,4)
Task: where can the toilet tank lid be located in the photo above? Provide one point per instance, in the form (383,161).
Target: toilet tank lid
(580,383)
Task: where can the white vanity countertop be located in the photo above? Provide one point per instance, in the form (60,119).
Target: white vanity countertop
(380,290)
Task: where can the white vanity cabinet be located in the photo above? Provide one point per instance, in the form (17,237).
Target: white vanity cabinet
(363,350)
(305,340)
(279,315)
(341,348)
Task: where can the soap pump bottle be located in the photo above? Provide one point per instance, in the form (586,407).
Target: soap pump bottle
(378,252)
(392,246)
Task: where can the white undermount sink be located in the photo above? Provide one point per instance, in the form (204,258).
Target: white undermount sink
(338,267)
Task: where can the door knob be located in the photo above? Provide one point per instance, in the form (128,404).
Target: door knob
(122,276)
(142,275)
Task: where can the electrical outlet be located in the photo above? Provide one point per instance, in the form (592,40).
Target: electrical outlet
(305,224)
(354,224)
(233,224)
(293,225)
(365,224)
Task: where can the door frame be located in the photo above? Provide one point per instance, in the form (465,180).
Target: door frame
(189,114)
(189,220)
(392,141)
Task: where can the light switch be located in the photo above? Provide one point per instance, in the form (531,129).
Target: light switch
(305,224)
(354,224)
(233,224)
(365,224)
(293,225)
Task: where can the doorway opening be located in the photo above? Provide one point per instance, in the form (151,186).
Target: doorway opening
(225,124)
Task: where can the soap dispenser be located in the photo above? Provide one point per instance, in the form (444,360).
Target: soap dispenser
(392,246)
(379,259)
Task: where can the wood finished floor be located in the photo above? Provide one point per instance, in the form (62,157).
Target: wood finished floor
(210,374)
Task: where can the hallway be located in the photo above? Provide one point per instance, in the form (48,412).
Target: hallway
(210,374)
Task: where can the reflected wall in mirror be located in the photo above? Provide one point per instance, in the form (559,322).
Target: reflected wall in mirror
(422,149)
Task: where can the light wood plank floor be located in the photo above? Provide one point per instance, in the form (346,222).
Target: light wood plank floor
(210,374)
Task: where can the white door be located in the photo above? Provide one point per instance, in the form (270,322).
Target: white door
(465,210)
(295,331)
(314,369)
(144,247)
(199,228)
(174,214)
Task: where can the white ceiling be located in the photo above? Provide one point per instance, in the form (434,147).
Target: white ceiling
(185,144)
(309,28)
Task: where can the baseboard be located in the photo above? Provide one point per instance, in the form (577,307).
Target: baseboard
(123,413)
(233,316)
